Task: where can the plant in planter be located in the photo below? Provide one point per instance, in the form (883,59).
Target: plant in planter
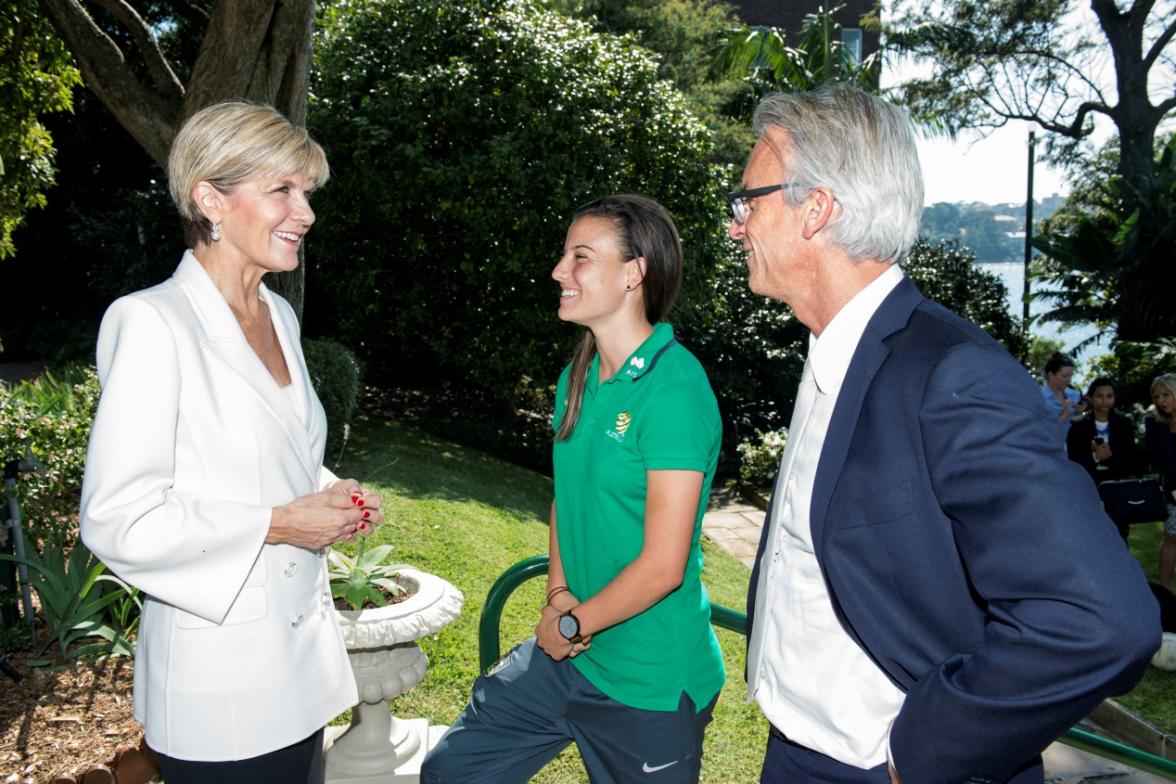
(364,581)
(391,607)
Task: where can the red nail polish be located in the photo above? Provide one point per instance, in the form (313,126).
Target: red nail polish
(362,526)
(358,501)
(354,499)
(367,515)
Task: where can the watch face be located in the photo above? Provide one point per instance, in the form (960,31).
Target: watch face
(569,627)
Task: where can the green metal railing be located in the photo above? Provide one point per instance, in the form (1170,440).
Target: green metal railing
(490,649)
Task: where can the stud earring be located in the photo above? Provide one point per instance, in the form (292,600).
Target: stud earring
(216,232)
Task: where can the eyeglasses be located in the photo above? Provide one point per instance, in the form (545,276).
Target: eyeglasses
(737,200)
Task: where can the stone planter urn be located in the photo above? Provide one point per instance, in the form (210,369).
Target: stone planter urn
(381,643)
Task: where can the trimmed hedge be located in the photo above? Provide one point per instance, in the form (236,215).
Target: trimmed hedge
(335,373)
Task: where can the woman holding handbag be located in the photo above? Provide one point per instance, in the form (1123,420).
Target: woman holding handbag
(1160,435)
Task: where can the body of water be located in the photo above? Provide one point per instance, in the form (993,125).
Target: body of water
(1013,275)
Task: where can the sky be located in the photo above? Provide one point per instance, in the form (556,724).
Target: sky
(992,170)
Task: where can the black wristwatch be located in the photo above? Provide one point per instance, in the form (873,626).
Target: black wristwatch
(569,627)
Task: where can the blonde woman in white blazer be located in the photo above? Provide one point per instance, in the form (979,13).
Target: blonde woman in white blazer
(205,485)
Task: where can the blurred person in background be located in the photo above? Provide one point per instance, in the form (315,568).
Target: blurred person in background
(1159,429)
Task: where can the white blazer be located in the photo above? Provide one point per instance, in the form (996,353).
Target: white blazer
(239,649)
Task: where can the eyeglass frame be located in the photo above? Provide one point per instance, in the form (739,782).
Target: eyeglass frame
(737,200)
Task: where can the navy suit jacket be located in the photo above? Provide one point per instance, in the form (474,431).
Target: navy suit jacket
(966,554)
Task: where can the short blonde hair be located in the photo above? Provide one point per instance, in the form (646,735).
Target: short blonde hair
(1166,381)
(229,143)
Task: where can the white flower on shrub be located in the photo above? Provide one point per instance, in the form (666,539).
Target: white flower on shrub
(759,457)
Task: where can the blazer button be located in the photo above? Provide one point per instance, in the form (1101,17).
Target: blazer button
(297,621)
(290,569)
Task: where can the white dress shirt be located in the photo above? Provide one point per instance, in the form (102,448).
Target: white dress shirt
(810,678)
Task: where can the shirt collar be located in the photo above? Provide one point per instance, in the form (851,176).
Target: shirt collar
(643,359)
(831,353)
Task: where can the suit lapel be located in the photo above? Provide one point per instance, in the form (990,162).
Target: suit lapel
(226,342)
(286,325)
(891,316)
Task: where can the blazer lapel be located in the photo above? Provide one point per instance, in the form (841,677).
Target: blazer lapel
(226,342)
(313,426)
(891,316)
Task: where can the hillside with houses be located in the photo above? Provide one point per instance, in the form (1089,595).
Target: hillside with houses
(995,232)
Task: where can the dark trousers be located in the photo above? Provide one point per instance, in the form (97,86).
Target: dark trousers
(301,762)
(786,762)
(528,708)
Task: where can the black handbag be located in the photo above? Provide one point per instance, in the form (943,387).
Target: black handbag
(1130,501)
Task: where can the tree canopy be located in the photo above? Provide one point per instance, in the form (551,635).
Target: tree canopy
(994,61)
(37,77)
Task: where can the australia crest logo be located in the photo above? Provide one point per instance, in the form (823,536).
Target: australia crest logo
(624,419)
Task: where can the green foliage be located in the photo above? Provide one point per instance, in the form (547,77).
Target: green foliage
(1134,365)
(753,349)
(684,36)
(683,33)
(335,374)
(1108,254)
(51,417)
(365,580)
(73,600)
(946,272)
(981,50)
(1040,350)
(109,228)
(974,225)
(462,136)
(762,57)
(37,77)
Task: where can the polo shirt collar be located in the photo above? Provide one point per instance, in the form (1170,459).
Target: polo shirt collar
(643,359)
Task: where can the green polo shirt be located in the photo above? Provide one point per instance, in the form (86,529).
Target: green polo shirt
(657,413)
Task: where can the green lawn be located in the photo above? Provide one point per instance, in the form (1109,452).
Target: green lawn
(467,516)
(1155,696)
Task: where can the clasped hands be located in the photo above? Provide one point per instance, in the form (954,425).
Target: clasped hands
(547,634)
(317,520)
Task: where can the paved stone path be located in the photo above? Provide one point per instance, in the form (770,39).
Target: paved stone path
(734,525)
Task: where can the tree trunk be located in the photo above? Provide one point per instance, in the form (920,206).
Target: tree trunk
(1146,282)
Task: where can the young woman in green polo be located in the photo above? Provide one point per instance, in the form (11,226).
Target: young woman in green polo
(624,661)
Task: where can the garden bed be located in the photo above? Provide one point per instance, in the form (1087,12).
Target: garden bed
(64,719)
